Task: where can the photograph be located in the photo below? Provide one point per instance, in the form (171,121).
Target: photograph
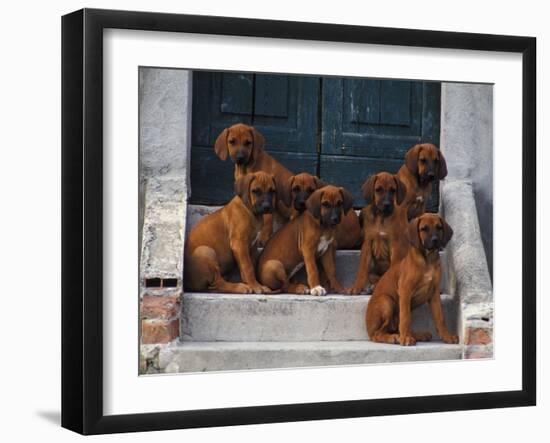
(302,221)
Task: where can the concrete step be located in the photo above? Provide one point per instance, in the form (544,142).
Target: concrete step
(286,317)
(217,356)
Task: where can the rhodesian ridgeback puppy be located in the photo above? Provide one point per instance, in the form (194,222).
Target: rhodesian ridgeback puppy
(424,164)
(294,194)
(227,236)
(245,145)
(410,283)
(383,228)
(302,241)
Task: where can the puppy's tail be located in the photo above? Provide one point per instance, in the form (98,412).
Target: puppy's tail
(273,275)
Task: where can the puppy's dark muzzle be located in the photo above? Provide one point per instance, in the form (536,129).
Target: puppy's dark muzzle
(300,205)
(266,208)
(241,158)
(334,218)
(434,243)
(385,207)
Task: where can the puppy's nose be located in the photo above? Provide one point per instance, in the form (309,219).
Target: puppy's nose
(266,207)
(431,175)
(335,219)
(300,204)
(386,204)
(434,241)
(240,158)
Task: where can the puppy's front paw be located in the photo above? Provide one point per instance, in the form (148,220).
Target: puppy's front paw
(450,339)
(318,291)
(354,290)
(243,288)
(407,340)
(260,289)
(301,289)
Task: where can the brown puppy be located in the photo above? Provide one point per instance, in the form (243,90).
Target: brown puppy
(294,194)
(383,227)
(303,240)
(410,283)
(424,164)
(227,236)
(245,145)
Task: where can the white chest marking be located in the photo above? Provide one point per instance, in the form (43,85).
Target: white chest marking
(428,277)
(419,199)
(257,238)
(382,233)
(324,243)
(296,269)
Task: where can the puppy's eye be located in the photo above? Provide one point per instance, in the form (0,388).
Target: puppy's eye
(271,191)
(256,191)
(422,160)
(309,190)
(247,143)
(339,203)
(326,204)
(379,189)
(392,190)
(424,228)
(439,227)
(231,141)
(296,189)
(436,160)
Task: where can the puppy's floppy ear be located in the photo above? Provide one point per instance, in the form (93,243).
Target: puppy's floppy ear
(318,182)
(242,186)
(284,192)
(411,159)
(274,187)
(413,234)
(313,203)
(347,199)
(259,140)
(401,190)
(447,232)
(368,189)
(442,166)
(221,145)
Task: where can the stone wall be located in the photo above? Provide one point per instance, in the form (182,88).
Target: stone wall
(467,142)
(165,97)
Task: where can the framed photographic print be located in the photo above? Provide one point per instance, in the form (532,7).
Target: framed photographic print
(269,221)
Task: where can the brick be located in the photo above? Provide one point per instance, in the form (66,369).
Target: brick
(478,336)
(164,307)
(159,331)
(478,352)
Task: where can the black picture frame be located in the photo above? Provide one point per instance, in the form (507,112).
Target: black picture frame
(82,215)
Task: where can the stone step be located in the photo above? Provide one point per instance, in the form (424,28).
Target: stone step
(286,317)
(223,356)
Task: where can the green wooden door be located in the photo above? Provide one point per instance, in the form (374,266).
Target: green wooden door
(368,126)
(283,108)
(342,129)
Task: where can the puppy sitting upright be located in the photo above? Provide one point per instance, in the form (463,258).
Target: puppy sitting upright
(226,237)
(424,164)
(383,227)
(295,192)
(410,283)
(245,145)
(302,241)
